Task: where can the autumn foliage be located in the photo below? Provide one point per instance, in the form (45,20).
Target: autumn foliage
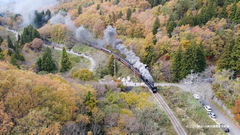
(236,110)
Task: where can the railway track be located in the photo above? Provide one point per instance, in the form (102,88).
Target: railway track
(177,126)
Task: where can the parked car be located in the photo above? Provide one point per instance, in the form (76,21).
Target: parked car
(212,115)
(224,128)
(196,96)
(208,108)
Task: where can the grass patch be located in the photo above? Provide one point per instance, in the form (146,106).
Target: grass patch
(77,61)
(192,114)
(83,48)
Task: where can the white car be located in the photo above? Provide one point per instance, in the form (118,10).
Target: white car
(196,96)
(208,108)
(212,115)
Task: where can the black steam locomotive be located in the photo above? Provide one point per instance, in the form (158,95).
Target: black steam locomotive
(150,84)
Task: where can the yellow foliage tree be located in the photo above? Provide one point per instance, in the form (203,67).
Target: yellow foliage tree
(24,90)
(58,33)
(185,43)
(5,120)
(83,74)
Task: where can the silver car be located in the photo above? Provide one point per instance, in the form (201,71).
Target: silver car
(212,115)
(208,108)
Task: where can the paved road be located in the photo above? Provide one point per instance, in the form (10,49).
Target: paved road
(202,91)
(206,94)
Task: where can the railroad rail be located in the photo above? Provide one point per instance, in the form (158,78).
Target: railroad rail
(176,124)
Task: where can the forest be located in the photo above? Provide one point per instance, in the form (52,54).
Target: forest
(174,38)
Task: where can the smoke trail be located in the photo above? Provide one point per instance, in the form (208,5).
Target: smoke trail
(84,36)
(63,18)
(110,38)
(25,7)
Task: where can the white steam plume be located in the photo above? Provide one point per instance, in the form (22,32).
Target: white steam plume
(25,7)
(84,36)
(110,38)
(63,18)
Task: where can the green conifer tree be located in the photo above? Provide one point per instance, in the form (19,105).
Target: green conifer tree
(35,34)
(21,41)
(98,6)
(9,52)
(10,43)
(129,14)
(111,66)
(48,13)
(223,13)
(65,61)
(170,27)
(1,56)
(151,2)
(200,58)
(156,26)
(156,2)
(19,55)
(79,10)
(47,61)
(29,33)
(225,59)
(176,64)
(1,40)
(149,58)
(120,14)
(13,60)
(193,59)
(233,11)
(237,16)
(235,56)
(39,64)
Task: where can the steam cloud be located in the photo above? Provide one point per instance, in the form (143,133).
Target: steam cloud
(63,18)
(25,7)
(109,38)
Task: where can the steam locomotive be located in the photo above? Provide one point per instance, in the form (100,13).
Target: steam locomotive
(150,84)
